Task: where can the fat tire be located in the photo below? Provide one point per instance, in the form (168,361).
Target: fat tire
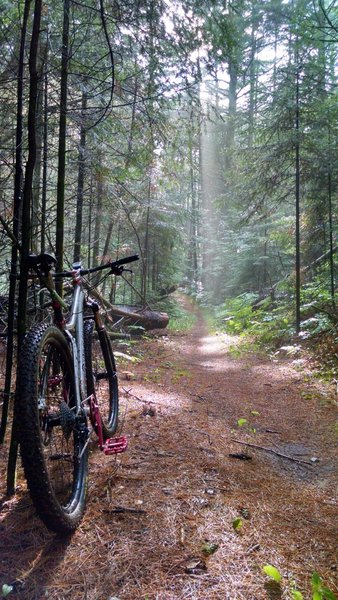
(100,366)
(47,345)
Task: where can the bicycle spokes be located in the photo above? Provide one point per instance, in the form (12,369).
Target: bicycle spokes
(58,422)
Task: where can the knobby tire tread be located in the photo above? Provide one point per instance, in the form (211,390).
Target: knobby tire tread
(103,346)
(41,491)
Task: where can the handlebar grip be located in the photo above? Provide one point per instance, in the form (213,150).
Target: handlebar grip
(124,261)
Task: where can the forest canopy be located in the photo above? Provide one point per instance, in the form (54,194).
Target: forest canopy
(202,135)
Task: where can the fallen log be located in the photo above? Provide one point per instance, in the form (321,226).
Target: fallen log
(144,317)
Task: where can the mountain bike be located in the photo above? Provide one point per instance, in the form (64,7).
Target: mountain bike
(67,388)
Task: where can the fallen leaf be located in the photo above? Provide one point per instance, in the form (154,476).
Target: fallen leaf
(6,590)
(128,375)
(195,566)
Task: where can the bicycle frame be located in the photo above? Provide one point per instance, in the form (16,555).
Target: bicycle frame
(67,390)
(73,329)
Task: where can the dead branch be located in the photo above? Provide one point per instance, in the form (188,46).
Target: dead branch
(320,259)
(297,460)
(124,509)
(128,392)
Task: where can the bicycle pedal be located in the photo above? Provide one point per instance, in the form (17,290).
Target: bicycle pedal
(115,445)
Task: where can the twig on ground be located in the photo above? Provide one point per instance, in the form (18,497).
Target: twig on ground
(128,392)
(124,509)
(240,456)
(297,460)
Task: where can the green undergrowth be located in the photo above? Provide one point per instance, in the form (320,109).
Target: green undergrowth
(269,324)
(183,321)
(319,591)
(182,313)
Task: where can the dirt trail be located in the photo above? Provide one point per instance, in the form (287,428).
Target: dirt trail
(159,523)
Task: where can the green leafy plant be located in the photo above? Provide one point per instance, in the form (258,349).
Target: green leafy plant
(245,423)
(319,591)
(272,572)
(297,595)
(209,548)
(180,319)
(270,322)
(237,524)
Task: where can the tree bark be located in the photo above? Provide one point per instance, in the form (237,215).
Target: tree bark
(80,182)
(147,318)
(29,172)
(26,223)
(331,251)
(44,159)
(297,194)
(60,211)
(98,218)
(16,221)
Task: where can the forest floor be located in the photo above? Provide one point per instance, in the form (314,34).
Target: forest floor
(160,520)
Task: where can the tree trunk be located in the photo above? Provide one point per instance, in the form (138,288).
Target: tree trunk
(147,318)
(40,129)
(26,222)
(44,159)
(297,193)
(80,182)
(145,263)
(60,211)
(253,78)
(192,234)
(29,172)
(98,219)
(16,221)
(332,282)
(230,133)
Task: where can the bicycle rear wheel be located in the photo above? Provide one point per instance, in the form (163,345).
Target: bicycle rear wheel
(53,436)
(101,376)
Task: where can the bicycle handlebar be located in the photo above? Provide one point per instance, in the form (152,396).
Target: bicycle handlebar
(115,266)
(46,261)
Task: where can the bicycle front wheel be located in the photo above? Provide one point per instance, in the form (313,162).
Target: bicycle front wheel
(53,432)
(102,377)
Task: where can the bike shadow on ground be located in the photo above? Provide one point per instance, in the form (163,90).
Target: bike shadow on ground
(29,553)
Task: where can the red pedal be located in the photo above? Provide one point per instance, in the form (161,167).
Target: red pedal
(115,445)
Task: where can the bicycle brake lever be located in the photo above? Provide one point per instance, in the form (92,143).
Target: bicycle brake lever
(119,270)
(116,270)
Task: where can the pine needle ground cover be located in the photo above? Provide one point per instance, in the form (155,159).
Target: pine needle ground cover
(230,468)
